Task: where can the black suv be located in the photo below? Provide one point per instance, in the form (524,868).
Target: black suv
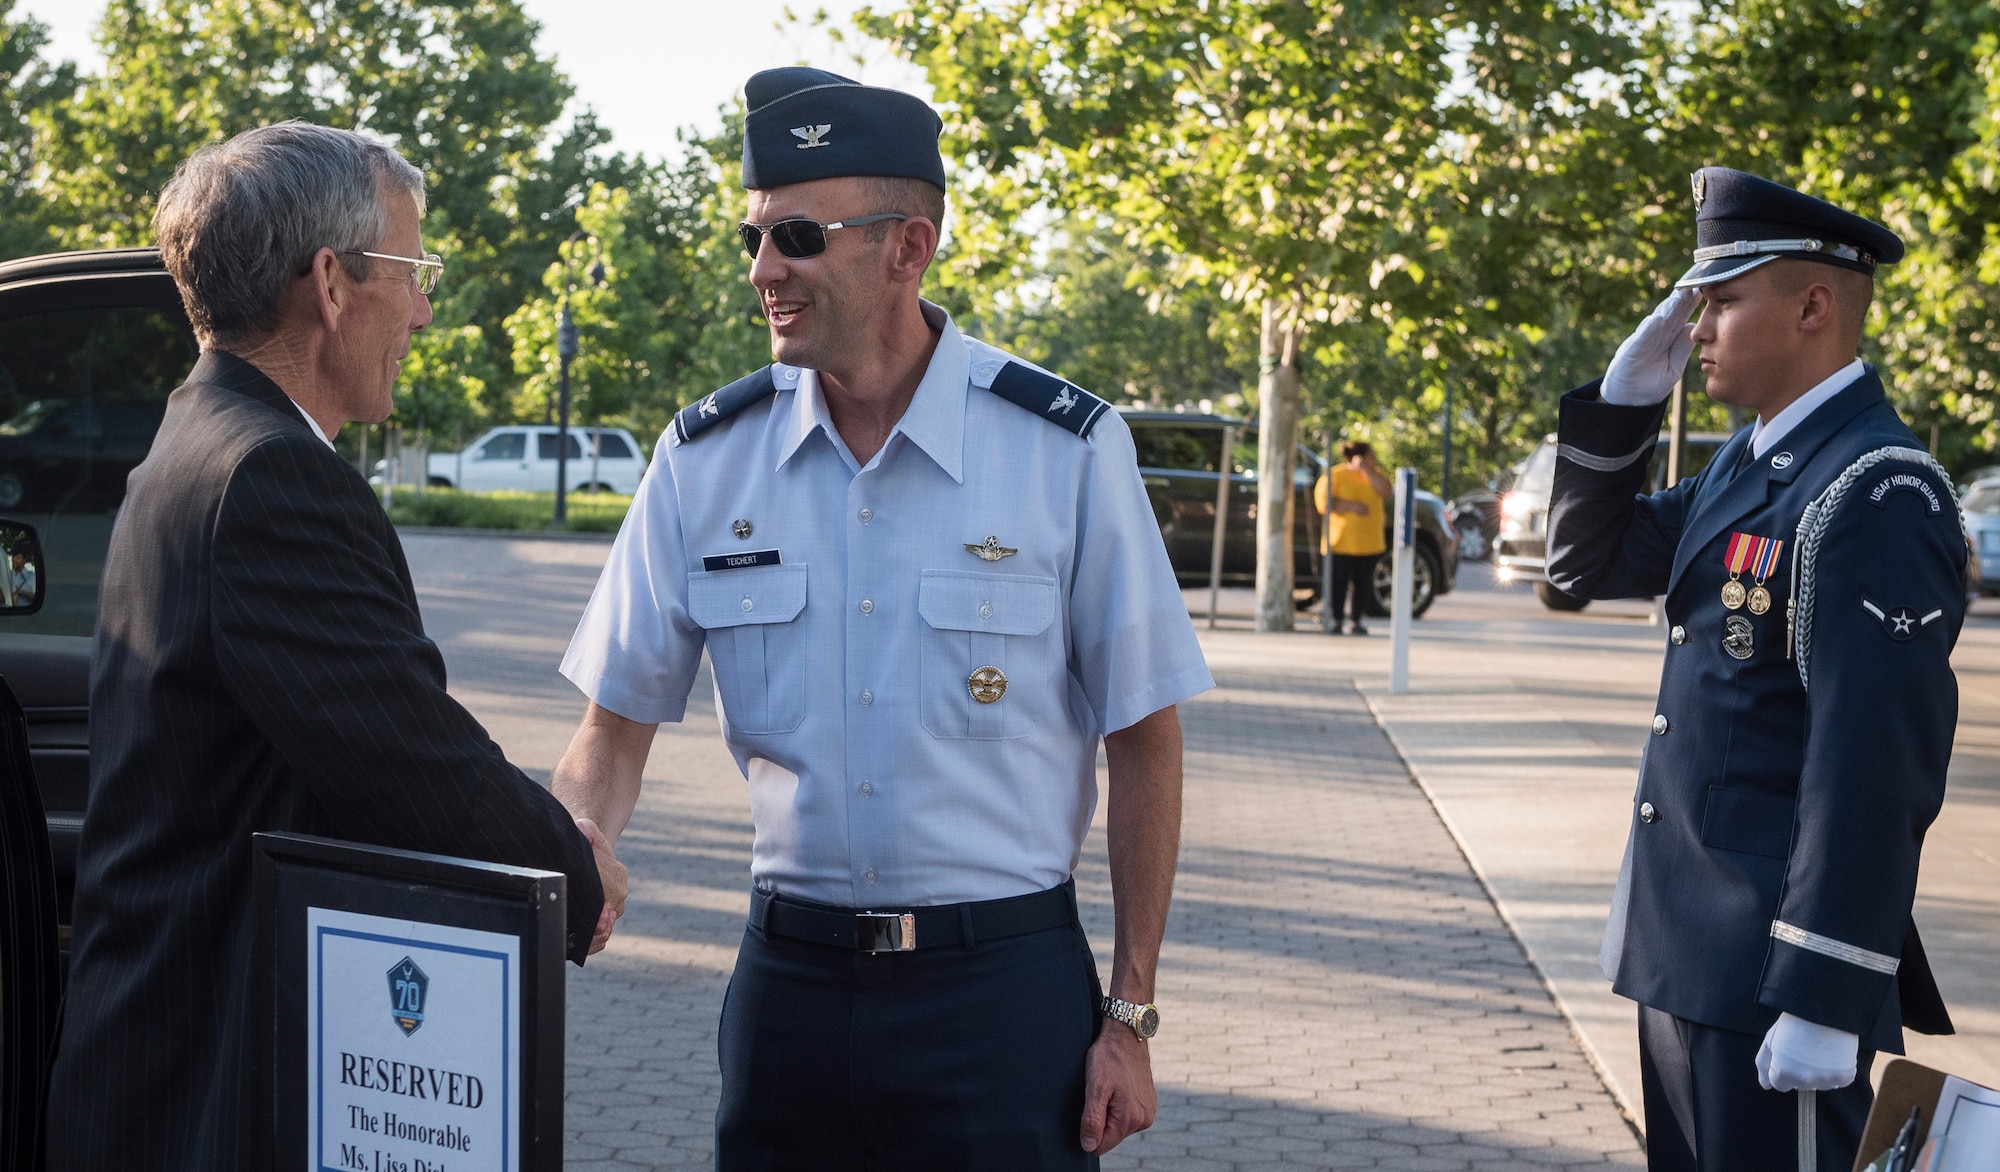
(91,343)
(1179,455)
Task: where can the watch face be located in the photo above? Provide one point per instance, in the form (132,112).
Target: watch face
(1148,1023)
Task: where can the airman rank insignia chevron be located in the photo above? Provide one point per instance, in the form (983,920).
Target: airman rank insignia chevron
(717,406)
(1064,404)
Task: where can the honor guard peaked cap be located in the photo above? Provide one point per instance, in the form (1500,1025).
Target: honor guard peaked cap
(1743,222)
(807,124)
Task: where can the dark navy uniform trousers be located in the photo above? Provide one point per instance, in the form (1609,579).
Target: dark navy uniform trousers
(966,1057)
(1693,1072)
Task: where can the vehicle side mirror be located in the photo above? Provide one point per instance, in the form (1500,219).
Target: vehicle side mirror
(20,569)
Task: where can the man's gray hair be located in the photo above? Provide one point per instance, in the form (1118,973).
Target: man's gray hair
(241,219)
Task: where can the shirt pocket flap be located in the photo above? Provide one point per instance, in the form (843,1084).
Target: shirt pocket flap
(1753,821)
(999,604)
(735,598)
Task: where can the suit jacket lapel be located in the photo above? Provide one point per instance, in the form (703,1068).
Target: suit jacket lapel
(1716,510)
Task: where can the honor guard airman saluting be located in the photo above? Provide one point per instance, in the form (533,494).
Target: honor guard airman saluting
(929,582)
(1813,577)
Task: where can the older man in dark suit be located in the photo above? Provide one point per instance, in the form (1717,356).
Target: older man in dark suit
(260,663)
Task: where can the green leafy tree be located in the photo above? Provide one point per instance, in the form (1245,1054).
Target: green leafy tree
(28,84)
(456,85)
(734,338)
(1328,166)
(1085,311)
(1889,109)
(638,329)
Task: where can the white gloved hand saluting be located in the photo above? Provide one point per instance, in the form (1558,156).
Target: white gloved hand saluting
(1648,363)
(1799,1055)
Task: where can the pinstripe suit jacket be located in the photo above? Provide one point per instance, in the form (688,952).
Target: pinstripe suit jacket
(260,665)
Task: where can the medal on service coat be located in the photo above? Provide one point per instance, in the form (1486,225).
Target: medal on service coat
(1759,556)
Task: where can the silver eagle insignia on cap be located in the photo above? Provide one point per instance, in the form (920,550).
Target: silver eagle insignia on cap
(815,136)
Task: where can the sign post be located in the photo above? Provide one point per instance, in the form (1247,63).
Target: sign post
(1220,529)
(411,1007)
(1402,581)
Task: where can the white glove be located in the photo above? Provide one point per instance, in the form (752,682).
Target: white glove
(1648,363)
(1799,1055)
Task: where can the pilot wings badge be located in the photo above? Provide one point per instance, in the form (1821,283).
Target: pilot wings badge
(991,551)
(814,136)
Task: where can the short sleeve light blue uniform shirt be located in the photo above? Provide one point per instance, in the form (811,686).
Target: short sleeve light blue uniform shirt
(842,664)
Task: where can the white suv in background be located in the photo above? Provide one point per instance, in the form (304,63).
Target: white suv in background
(524,459)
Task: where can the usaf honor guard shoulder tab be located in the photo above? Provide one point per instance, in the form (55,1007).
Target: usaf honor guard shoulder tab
(713,408)
(1062,403)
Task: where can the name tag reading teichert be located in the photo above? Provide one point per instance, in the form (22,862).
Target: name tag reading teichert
(740,561)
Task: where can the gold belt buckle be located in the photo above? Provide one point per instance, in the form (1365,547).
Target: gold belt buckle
(886,931)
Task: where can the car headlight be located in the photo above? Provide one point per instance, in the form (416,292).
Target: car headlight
(1515,511)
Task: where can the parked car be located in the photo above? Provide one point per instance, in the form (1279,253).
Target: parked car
(1179,457)
(91,343)
(1520,553)
(524,459)
(1981,508)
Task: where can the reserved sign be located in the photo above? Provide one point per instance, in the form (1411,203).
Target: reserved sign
(414,1039)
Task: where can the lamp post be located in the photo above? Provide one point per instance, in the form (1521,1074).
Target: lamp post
(565,351)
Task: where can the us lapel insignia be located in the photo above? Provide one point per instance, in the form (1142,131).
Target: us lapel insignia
(990,551)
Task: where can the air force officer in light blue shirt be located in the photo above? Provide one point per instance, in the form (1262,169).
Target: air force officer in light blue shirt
(929,583)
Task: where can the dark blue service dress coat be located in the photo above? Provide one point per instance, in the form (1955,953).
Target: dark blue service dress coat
(1787,784)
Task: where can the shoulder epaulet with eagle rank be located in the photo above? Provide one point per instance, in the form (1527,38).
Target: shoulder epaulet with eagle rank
(1062,403)
(717,406)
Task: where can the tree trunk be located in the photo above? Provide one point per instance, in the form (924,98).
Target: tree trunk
(1277,439)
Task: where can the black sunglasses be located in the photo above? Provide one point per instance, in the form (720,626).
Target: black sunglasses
(801,238)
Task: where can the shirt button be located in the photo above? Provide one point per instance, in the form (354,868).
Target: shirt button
(1647,813)
(867,606)
(985,610)
(1660,724)
(869,874)
(746,602)
(1680,635)
(867,790)
(867,698)
(867,515)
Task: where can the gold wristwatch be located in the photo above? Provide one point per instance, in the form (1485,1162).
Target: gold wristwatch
(1144,1019)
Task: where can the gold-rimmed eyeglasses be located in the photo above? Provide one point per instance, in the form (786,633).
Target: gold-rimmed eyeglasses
(425,273)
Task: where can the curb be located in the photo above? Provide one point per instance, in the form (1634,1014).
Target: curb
(513,534)
(1634,1116)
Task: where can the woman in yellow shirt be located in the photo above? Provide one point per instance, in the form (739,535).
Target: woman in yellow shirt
(1356,532)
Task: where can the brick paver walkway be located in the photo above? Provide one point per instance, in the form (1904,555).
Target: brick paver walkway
(1338,991)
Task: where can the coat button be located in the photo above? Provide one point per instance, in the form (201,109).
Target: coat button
(1680,635)
(1660,724)
(1647,813)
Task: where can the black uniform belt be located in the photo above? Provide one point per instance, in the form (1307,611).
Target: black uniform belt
(908,929)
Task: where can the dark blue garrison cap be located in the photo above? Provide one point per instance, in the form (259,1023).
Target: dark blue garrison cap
(810,124)
(1742,222)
